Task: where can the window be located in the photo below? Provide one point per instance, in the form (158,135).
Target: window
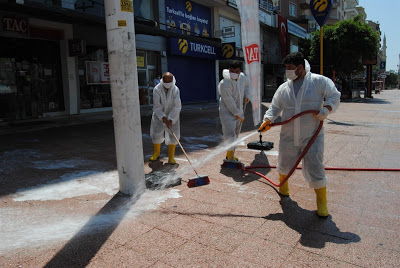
(266,5)
(144,9)
(292,10)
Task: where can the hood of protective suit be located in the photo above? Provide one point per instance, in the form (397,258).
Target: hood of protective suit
(225,74)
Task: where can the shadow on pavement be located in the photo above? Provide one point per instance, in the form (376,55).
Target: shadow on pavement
(315,232)
(241,176)
(86,243)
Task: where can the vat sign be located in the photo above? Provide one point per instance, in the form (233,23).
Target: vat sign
(16,24)
(252,53)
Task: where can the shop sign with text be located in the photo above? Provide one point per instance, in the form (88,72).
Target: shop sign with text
(16,24)
(184,47)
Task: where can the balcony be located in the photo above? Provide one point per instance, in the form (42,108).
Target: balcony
(304,4)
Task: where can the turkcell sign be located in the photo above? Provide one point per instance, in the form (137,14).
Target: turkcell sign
(184,47)
(320,10)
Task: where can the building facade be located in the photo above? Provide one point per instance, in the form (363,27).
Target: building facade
(54,59)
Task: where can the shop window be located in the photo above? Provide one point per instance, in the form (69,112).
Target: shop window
(95,90)
(144,9)
(30,78)
(149,67)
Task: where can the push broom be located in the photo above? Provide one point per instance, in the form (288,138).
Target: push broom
(197,181)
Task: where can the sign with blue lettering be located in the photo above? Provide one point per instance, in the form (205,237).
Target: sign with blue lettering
(184,47)
(320,10)
(187,17)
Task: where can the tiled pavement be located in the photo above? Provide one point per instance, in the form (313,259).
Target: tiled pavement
(59,208)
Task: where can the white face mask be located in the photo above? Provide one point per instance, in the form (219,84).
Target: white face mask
(233,76)
(291,74)
(168,85)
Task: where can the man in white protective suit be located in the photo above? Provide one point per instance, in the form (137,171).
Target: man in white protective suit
(233,89)
(302,91)
(166,109)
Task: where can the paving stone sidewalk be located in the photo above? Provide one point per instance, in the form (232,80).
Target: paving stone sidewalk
(59,205)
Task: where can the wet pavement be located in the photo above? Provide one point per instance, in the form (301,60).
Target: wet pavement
(60,207)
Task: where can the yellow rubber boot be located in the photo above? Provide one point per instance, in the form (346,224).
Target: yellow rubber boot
(156,153)
(230,156)
(171,154)
(322,209)
(284,189)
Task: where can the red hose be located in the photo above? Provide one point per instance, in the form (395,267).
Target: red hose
(310,142)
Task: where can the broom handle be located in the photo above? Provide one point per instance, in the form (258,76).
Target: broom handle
(241,123)
(183,151)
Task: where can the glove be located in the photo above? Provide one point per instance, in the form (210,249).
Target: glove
(265,126)
(323,114)
(240,118)
(169,124)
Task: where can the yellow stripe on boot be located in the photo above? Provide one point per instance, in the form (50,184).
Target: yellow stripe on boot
(322,208)
(284,189)
(156,154)
(230,156)
(171,154)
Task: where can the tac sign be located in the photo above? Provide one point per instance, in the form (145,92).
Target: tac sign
(320,10)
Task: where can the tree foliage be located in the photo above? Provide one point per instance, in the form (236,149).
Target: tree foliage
(392,80)
(345,45)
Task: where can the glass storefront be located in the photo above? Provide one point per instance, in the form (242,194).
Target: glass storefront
(148,67)
(30,78)
(93,92)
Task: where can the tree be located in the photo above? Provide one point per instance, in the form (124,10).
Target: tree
(345,45)
(391,80)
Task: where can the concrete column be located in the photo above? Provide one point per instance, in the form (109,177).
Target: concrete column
(125,95)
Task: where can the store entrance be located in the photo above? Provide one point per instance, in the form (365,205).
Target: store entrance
(30,78)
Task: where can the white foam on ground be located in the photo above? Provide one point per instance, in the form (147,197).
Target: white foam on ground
(9,160)
(72,185)
(37,226)
(58,164)
(40,226)
(210,138)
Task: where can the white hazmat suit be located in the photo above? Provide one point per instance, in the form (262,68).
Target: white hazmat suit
(165,103)
(317,91)
(232,93)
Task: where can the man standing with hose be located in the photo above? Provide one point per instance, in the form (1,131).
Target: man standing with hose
(303,91)
(234,88)
(166,109)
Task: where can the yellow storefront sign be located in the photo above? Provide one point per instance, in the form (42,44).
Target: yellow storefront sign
(126,6)
(140,61)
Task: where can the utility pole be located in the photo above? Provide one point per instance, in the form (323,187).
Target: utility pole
(125,95)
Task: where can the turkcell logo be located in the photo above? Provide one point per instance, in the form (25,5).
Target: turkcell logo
(188,6)
(183,47)
(228,51)
(320,9)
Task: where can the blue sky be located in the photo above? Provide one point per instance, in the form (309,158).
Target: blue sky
(386,13)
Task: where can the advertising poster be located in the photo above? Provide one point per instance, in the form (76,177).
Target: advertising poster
(187,17)
(97,72)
